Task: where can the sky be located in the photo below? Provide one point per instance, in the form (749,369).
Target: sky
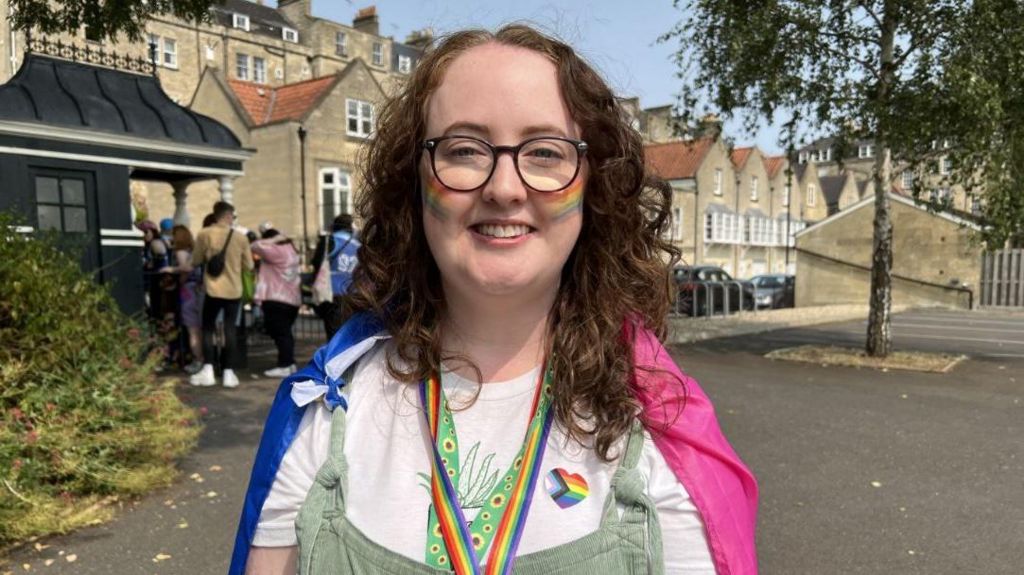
(618,37)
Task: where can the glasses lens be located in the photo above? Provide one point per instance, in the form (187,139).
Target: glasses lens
(548,164)
(462,163)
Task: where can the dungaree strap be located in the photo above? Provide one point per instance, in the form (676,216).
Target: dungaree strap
(628,489)
(334,471)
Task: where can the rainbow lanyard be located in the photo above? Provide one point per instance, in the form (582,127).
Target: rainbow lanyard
(451,543)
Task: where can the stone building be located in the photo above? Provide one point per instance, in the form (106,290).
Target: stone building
(935,259)
(858,159)
(729,208)
(265,72)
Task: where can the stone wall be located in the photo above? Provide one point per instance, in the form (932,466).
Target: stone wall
(926,247)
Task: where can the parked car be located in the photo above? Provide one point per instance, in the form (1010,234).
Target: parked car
(773,291)
(700,285)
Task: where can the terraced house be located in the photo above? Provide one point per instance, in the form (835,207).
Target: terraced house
(857,162)
(735,209)
(300,92)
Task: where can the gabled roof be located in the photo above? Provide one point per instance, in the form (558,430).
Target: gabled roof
(772,165)
(868,203)
(268,105)
(832,187)
(677,160)
(740,156)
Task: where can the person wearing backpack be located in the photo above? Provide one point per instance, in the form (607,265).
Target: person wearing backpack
(340,248)
(224,254)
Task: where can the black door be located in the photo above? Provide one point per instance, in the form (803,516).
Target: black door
(66,204)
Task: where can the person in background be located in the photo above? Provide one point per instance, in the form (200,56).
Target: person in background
(190,281)
(279,294)
(167,230)
(162,290)
(155,256)
(340,248)
(223,291)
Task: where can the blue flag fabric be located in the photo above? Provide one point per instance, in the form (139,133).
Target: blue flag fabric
(283,423)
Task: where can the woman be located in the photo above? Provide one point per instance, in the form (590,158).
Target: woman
(190,280)
(279,295)
(162,287)
(510,278)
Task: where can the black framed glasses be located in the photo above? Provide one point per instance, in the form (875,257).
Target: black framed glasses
(545,164)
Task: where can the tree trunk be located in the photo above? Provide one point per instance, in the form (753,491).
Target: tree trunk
(879,340)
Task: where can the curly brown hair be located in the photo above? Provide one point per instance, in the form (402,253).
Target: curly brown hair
(617,271)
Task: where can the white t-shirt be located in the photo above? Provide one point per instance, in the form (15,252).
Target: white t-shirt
(388,450)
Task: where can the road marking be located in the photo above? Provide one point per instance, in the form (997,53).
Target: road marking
(960,328)
(949,320)
(951,339)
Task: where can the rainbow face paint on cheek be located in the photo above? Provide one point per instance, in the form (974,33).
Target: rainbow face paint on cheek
(434,194)
(566,202)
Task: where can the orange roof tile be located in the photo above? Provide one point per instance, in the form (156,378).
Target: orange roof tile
(740,155)
(772,164)
(266,105)
(677,160)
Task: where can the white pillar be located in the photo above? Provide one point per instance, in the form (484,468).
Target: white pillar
(181,203)
(227,189)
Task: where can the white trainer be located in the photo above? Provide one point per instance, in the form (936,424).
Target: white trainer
(204,377)
(281,371)
(230,379)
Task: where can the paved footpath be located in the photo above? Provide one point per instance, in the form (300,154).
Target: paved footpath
(861,471)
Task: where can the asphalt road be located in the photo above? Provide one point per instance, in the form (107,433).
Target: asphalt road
(990,334)
(861,471)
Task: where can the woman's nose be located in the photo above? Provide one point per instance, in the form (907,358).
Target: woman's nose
(505,185)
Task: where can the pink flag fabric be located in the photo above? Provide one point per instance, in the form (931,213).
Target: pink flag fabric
(682,422)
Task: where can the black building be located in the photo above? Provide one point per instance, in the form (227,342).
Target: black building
(76,126)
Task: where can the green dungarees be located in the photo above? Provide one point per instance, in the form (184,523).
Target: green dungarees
(330,545)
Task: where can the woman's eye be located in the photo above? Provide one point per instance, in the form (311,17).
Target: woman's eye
(546,154)
(463,152)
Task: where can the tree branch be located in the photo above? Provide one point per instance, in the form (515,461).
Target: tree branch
(867,8)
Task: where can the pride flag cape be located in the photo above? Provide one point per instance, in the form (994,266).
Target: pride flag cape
(680,416)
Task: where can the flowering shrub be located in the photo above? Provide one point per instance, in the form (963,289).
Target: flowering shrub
(82,417)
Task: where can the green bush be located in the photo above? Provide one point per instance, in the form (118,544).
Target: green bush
(82,417)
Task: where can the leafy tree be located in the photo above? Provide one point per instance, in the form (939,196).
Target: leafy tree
(904,73)
(103,18)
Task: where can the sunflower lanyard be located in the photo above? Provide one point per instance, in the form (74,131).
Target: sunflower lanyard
(451,542)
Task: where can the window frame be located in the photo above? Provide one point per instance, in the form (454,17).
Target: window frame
(718,182)
(361,107)
(259,68)
(754,192)
(945,166)
(161,52)
(812,195)
(377,56)
(865,151)
(335,188)
(285,32)
(341,48)
(407,61)
(907,180)
(239,57)
(240,21)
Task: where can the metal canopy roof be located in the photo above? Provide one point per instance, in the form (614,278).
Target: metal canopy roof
(98,113)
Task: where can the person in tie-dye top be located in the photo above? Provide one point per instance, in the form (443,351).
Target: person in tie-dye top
(279,295)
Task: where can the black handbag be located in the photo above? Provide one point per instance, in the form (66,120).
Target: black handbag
(215,266)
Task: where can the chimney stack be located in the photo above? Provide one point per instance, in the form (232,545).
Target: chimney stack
(366,21)
(420,39)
